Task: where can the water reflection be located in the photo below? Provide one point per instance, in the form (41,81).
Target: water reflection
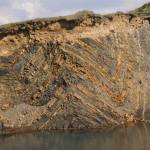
(132,138)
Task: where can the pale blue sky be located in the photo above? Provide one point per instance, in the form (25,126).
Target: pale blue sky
(18,10)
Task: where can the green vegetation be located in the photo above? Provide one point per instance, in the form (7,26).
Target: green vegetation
(144,9)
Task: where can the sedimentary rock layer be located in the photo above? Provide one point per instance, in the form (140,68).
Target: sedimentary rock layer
(76,72)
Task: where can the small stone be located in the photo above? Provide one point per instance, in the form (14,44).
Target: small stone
(1,125)
(5,106)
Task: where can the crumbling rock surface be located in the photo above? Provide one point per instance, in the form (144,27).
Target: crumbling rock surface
(76,72)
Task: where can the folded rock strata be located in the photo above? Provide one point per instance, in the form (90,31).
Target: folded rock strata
(75,72)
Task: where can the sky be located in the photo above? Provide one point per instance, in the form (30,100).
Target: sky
(19,10)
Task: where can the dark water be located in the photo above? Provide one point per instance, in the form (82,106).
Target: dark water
(131,138)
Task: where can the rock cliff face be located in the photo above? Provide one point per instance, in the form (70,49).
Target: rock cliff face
(76,72)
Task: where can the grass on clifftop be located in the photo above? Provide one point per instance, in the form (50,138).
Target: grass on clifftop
(144,9)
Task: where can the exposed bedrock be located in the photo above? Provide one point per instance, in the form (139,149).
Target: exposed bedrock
(77,72)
